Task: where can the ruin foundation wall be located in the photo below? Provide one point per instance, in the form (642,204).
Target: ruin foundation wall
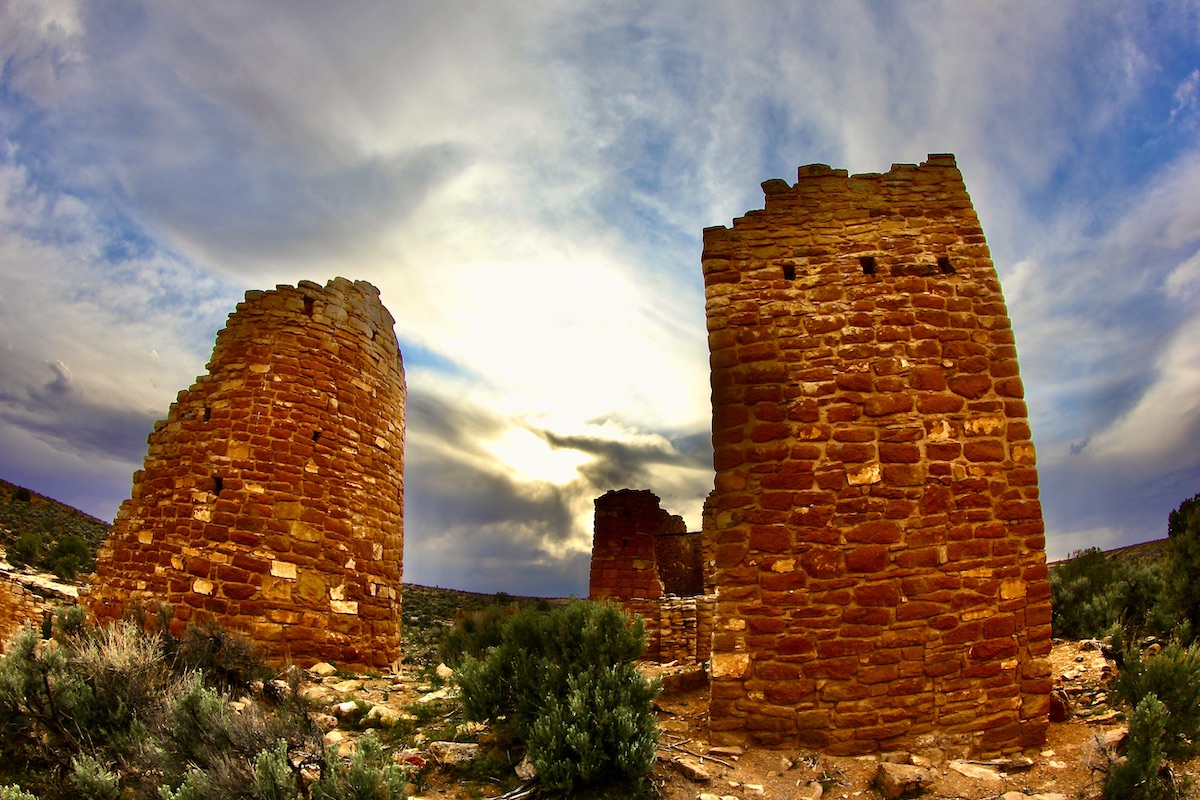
(19,608)
(271,497)
(875,538)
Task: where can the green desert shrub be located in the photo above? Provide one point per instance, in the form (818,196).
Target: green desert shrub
(1091,595)
(563,683)
(1145,773)
(92,781)
(69,556)
(15,793)
(98,714)
(368,775)
(27,550)
(227,659)
(57,702)
(1181,593)
(1172,676)
(599,730)
(474,634)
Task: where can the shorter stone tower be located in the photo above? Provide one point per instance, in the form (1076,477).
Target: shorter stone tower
(271,498)
(644,558)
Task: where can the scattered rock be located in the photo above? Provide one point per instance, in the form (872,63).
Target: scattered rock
(1115,739)
(316,694)
(382,717)
(1011,765)
(411,758)
(976,771)
(727,751)
(349,710)
(322,669)
(444,672)
(691,769)
(895,780)
(1060,705)
(525,770)
(810,791)
(345,687)
(453,754)
(325,722)
(440,694)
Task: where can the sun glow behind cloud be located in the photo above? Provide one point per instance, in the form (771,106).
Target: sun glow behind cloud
(532,458)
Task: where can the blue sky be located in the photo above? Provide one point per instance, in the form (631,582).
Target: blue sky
(527,182)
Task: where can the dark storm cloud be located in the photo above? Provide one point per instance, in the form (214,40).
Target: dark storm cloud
(69,421)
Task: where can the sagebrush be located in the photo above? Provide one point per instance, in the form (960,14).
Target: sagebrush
(563,684)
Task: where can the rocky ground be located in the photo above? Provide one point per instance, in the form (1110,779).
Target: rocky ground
(417,713)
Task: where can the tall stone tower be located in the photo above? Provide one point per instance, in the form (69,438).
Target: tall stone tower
(874,537)
(271,497)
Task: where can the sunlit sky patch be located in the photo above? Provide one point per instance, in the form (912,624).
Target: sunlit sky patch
(527,184)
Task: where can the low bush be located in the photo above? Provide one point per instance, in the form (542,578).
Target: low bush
(1144,774)
(563,683)
(1173,677)
(69,556)
(227,659)
(1182,585)
(1092,595)
(27,550)
(99,714)
(474,634)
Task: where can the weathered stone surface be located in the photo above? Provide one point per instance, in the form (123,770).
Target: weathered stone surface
(897,780)
(453,754)
(19,608)
(867,432)
(977,772)
(691,769)
(271,497)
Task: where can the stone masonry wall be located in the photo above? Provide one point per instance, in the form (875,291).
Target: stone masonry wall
(875,537)
(271,497)
(19,608)
(644,559)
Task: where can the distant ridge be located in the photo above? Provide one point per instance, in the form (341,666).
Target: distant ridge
(1153,550)
(24,510)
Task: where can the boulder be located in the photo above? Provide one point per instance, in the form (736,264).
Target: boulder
(896,780)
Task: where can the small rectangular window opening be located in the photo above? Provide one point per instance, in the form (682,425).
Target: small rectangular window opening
(218,484)
(789,272)
(310,306)
(868,264)
(316,435)
(207,413)
(945,267)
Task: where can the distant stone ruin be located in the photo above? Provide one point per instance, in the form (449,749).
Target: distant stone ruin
(271,498)
(874,538)
(19,608)
(644,559)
